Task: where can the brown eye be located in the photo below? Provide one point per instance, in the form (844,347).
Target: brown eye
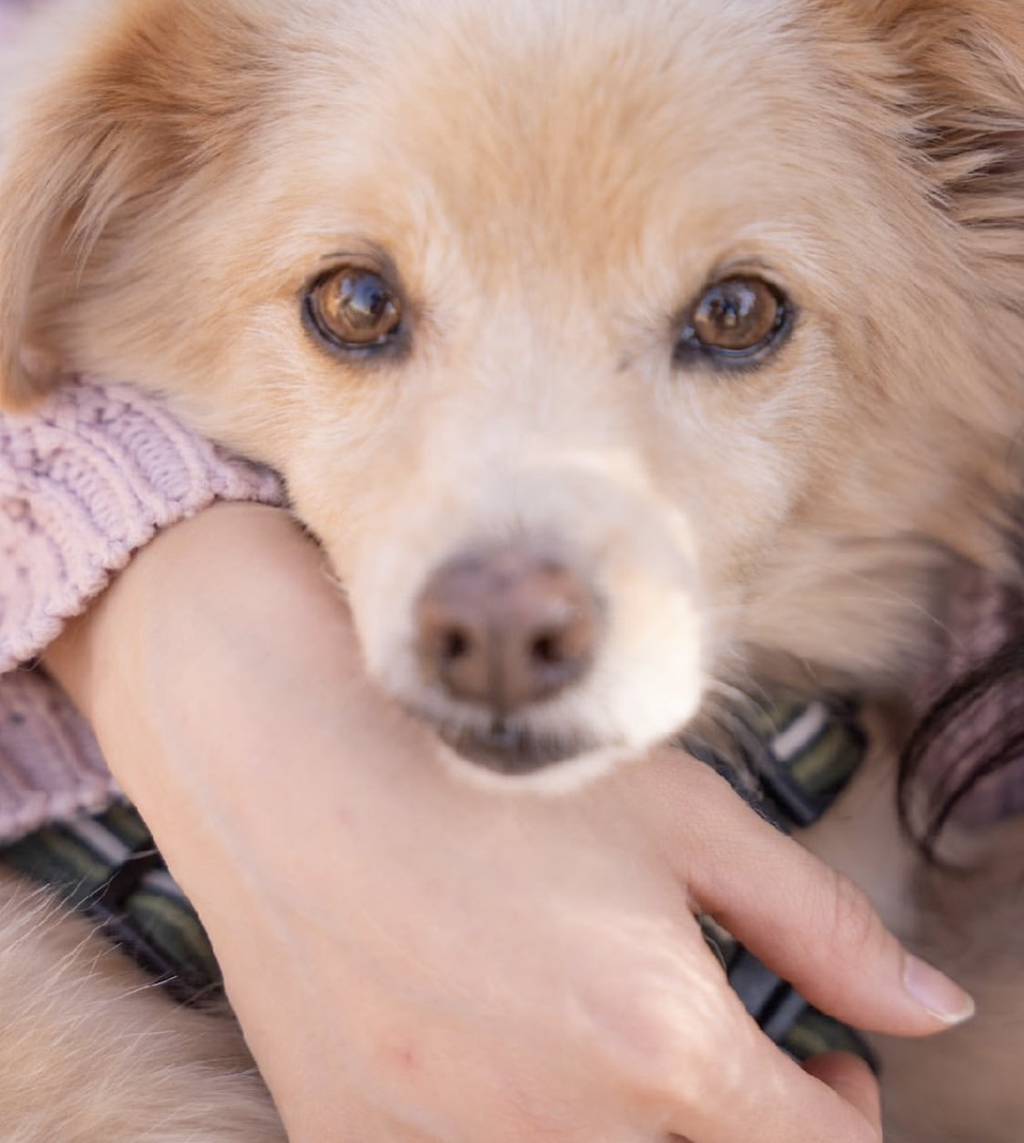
(736,319)
(354,309)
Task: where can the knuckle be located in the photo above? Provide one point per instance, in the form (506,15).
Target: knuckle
(663,1039)
(644,1043)
(855,928)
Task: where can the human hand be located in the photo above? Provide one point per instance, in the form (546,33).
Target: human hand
(414,959)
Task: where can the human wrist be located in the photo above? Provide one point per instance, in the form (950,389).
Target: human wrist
(226,805)
(182,569)
(222,676)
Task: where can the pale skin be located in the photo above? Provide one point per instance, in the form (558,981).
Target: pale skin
(414,959)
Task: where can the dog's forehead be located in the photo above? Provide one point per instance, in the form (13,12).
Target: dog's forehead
(529,124)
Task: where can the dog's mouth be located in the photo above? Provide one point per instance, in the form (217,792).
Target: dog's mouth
(513,750)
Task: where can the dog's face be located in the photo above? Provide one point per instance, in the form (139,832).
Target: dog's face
(603,346)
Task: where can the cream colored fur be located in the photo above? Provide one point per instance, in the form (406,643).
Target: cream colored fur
(92,1052)
(554,181)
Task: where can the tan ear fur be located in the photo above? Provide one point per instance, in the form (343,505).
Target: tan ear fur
(148,101)
(959,78)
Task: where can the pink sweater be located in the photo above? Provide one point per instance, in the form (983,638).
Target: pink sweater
(85,481)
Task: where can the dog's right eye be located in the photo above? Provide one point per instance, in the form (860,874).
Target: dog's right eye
(735,322)
(354,308)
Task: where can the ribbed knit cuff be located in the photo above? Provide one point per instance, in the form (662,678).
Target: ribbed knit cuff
(51,767)
(85,481)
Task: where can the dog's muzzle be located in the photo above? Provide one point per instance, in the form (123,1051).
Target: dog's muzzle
(497,633)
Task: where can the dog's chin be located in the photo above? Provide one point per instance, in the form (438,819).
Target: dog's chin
(515,776)
(512,751)
(520,758)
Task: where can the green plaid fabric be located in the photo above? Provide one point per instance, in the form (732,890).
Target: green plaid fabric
(108,867)
(810,752)
(781,1012)
(801,757)
(790,760)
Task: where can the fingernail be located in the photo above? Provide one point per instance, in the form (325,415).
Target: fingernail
(934,991)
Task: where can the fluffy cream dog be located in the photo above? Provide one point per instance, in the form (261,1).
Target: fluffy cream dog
(614,352)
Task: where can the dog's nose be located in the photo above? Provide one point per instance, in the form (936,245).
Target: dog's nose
(506,628)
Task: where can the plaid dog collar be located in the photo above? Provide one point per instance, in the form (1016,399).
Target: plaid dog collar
(107,867)
(791,760)
(801,757)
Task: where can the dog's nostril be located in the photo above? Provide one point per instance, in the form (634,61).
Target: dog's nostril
(548,649)
(455,645)
(506,629)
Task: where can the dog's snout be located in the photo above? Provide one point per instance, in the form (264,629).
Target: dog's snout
(506,629)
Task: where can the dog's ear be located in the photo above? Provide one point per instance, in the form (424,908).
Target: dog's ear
(959,78)
(128,117)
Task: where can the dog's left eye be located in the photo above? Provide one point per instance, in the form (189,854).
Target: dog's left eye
(735,320)
(354,308)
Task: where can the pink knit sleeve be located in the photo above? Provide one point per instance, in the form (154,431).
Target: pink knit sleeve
(85,481)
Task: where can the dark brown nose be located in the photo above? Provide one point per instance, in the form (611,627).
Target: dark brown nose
(506,628)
